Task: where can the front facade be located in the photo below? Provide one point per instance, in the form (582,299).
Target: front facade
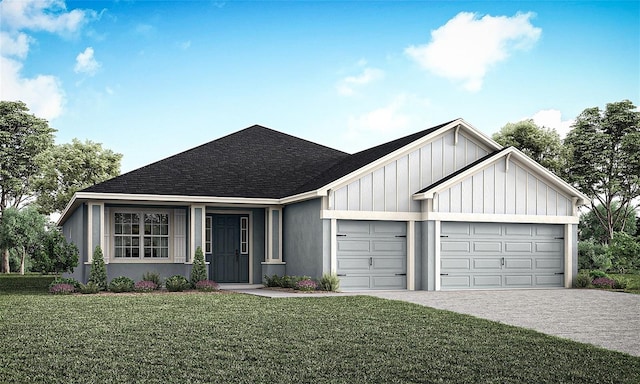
(443,209)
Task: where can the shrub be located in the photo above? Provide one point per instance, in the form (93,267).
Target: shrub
(624,251)
(145,286)
(597,273)
(121,284)
(621,282)
(62,289)
(207,286)
(603,282)
(153,277)
(89,288)
(306,285)
(582,281)
(16,283)
(98,273)
(285,281)
(329,282)
(592,255)
(66,280)
(273,281)
(176,283)
(199,269)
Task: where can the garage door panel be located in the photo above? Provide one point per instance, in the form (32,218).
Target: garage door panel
(391,264)
(501,255)
(354,246)
(388,282)
(354,282)
(353,264)
(352,227)
(389,228)
(396,246)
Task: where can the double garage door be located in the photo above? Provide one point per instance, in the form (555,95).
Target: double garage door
(372,254)
(499,255)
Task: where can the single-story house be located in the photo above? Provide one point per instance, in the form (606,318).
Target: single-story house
(446,208)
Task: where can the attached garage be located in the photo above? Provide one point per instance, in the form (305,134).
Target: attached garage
(501,255)
(371,254)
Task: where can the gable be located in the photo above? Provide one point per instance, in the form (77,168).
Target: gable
(390,186)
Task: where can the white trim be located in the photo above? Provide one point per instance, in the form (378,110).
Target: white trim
(244,227)
(91,247)
(500,218)
(269,235)
(334,246)
(141,259)
(568,255)
(192,233)
(280,230)
(436,269)
(371,215)
(299,197)
(411,256)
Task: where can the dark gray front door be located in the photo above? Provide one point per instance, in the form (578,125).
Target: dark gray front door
(229,264)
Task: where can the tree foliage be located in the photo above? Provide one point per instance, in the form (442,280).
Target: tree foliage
(591,229)
(22,230)
(199,268)
(77,165)
(540,144)
(54,254)
(604,161)
(98,272)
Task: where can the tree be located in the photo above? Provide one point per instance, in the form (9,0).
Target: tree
(75,166)
(591,229)
(25,141)
(604,161)
(22,230)
(540,144)
(54,253)
(98,272)
(199,269)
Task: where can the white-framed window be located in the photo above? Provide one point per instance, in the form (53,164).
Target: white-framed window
(207,234)
(141,235)
(244,235)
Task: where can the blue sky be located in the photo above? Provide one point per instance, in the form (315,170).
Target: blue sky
(149,79)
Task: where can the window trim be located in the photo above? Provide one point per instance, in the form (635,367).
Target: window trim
(244,234)
(141,259)
(208,233)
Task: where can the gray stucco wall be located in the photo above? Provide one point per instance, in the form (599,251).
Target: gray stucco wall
(428,256)
(418,255)
(574,252)
(303,238)
(258,244)
(136,270)
(75,231)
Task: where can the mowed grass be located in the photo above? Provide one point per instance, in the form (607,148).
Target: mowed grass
(232,338)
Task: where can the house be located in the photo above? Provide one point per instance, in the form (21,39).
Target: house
(446,208)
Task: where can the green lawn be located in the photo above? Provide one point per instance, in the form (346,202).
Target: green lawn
(225,338)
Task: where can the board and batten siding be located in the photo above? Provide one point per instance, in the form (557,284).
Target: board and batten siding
(496,190)
(390,188)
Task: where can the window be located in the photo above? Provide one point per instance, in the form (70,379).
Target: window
(130,242)
(207,235)
(244,235)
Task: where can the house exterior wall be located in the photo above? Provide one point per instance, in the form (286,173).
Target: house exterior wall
(75,231)
(390,187)
(303,238)
(498,190)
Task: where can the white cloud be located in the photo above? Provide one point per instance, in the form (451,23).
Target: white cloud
(467,46)
(385,119)
(348,85)
(185,45)
(42,93)
(86,62)
(552,118)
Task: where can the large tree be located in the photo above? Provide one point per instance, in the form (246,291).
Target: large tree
(591,229)
(604,161)
(25,141)
(76,165)
(539,143)
(22,230)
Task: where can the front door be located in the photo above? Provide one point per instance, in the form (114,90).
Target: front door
(230,259)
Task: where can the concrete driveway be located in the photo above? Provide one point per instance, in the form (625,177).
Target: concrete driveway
(607,319)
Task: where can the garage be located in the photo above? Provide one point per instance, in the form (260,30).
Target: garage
(371,254)
(501,255)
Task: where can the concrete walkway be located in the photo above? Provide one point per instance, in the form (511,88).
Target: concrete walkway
(606,319)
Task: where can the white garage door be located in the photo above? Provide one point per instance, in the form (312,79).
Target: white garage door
(501,255)
(372,254)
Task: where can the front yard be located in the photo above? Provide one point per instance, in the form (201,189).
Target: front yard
(231,338)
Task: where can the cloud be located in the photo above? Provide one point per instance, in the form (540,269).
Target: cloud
(552,118)
(467,46)
(184,45)
(86,62)
(42,93)
(348,85)
(380,120)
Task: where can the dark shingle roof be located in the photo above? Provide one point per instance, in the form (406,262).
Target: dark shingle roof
(256,162)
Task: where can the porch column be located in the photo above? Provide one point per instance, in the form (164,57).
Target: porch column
(273,263)
(197,230)
(96,231)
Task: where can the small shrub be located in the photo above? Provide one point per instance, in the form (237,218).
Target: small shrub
(66,280)
(98,272)
(273,281)
(89,288)
(625,252)
(176,283)
(593,255)
(621,282)
(121,284)
(329,282)
(199,268)
(62,289)
(207,286)
(597,273)
(306,285)
(603,282)
(145,286)
(582,281)
(153,277)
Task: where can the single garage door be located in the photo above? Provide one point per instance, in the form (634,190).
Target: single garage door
(501,255)
(372,254)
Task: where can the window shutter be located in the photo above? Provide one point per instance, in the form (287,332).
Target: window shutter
(179,235)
